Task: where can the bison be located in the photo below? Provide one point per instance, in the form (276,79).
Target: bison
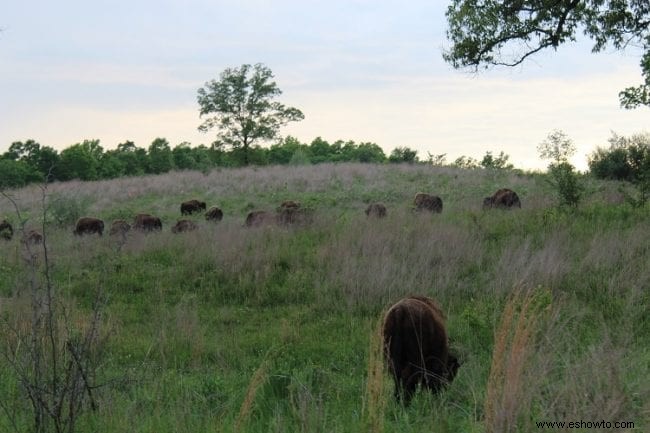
(376,210)
(191,206)
(6,230)
(88,226)
(502,199)
(259,218)
(119,227)
(214,214)
(291,213)
(416,347)
(147,223)
(33,237)
(427,202)
(184,226)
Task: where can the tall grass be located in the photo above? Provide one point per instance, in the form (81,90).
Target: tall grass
(193,316)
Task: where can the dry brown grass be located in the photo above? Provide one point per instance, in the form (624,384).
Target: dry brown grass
(374,403)
(510,389)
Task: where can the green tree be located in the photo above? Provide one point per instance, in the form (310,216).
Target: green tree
(486,33)
(160,156)
(41,161)
(184,156)
(80,161)
(403,154)
(13,173)
(282,152)
(240,105)
(558,148)
(133,158)
(499,162)
(628,159)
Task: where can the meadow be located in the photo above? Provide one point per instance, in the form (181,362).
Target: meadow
(276,328)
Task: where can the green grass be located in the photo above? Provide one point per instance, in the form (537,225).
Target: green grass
(191,318)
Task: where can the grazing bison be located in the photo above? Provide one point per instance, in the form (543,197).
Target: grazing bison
(191,206)
(33,237)
(289,204)
(88,226)
(214,214)
(259,218)
(184,226)
(376,210)
(119,227)
(416,347)
(427,202)
(147,223)
(6,231)
(502,199)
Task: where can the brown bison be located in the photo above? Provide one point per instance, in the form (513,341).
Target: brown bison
(33,237)
(214,214)
(502,199)
(88,226)
(147,223)
(191,206)
(6,230)
(291,213)
(259,218)
(376,210)
(119,227)
(184,226)
(427,202)
(416,347)
(289,204)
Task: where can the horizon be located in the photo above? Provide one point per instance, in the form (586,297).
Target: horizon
(362,71)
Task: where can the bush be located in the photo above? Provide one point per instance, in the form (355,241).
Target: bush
(65,210)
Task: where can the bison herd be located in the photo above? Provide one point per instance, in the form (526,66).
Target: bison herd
(288,213)
(415,341)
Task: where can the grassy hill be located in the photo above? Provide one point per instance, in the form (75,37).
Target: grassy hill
(274,328)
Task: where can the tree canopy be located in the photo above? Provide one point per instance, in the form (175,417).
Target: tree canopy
(486,33)
(240,105)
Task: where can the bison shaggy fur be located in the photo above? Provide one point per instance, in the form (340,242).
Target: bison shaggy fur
(147,223)
(88,226)
(427,202)
(184,226)
(376,210)
(291,213)
(6,230)
(119,227)
(214,214)
(191,206)
(502,199)
(416,347)
(259,218)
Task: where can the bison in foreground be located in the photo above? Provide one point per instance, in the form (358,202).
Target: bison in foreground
(147,223)
(214,214)
(182,226)
(502,199)
(191,206)
(88,226)
(6,230)
(427,202)
(416,347)
(376,210)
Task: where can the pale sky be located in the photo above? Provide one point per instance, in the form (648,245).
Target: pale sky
(359,70)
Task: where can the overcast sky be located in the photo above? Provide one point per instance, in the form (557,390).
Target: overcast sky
(359,70)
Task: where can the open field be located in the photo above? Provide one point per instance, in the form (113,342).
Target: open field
(273,328)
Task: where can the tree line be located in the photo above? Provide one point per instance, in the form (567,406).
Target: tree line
(28,161)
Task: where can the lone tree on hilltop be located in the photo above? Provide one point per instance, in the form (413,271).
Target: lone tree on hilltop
(240,105)
(486,33)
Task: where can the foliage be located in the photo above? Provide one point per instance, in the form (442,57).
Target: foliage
(499,162)
(240,105)
(403,154)
(486,33)
(627,159)
(558,148)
